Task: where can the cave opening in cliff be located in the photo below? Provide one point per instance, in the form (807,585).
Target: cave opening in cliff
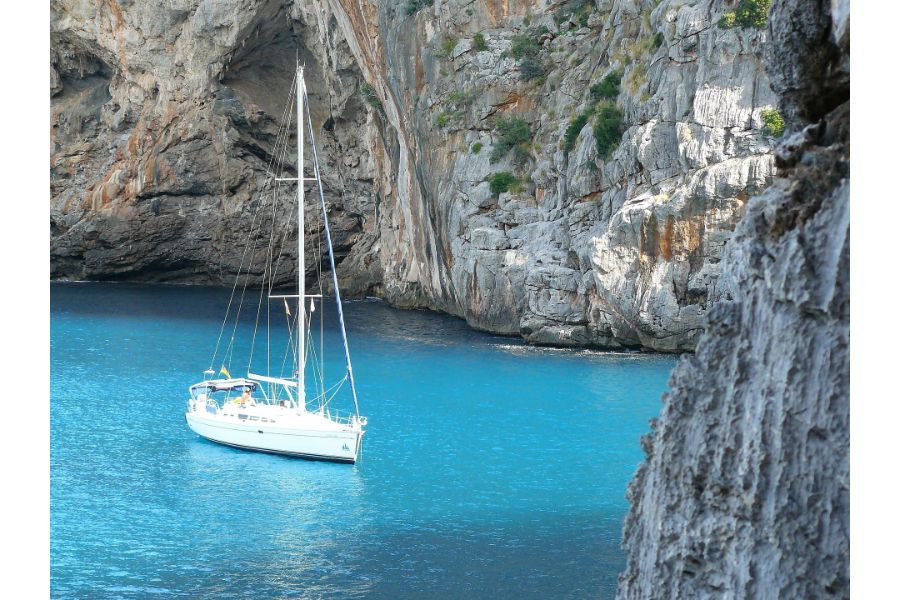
(254,87)
(257,79)
(79,89)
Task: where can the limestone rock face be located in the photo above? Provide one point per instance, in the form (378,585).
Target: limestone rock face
(745,489)
(163,130)
(164,121)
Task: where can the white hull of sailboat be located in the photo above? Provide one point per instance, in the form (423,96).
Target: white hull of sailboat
(308,443)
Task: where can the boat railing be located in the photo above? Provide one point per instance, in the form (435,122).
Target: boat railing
(341,417)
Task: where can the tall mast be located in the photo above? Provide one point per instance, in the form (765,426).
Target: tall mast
(301,256)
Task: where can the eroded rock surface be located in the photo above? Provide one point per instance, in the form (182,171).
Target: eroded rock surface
(163,126)
(745,489)
(164,118)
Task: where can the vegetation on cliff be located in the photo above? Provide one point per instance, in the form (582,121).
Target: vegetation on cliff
(749,13)
(773,122)
(608,130)
(528,50)
(371,98)
(607,118)
(413,6)
(573,130)
(513,134)
(502,182)
(478,42)
(608,87)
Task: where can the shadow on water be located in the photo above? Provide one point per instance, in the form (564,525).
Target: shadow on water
(132,300)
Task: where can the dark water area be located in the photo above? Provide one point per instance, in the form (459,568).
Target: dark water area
(489,468)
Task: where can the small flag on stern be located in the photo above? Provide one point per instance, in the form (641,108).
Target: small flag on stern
(225,372)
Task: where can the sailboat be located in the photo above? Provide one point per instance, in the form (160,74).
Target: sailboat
(272,412)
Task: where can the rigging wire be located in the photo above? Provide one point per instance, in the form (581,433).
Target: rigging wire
(337,293)
(280,139)
(264,289)
(212,362)
(321,303)
(289,348)
(278,257)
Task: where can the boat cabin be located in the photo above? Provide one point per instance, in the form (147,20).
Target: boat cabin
(215,394)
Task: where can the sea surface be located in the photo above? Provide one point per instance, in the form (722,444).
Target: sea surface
(490,469)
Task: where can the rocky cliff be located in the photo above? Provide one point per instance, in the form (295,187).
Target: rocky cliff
(566,171)
(745,489)
(163,128)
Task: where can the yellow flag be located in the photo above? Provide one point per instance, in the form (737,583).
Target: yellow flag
(225,372)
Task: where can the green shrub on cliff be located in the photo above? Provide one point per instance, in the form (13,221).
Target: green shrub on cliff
(573,130)
(458,97)
(578,11)
(608,130)
(749,14)
(447,47)
(753,13)
(728,20)
(513,134)
(476,147)
(502,182)
(773,122)
(531,68)
(368,94)
(607,120)
(413,6)
(608,87)
(447,117)
(524,45)
(478,42)
(526,48)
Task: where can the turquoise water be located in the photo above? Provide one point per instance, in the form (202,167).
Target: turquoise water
(490,468)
